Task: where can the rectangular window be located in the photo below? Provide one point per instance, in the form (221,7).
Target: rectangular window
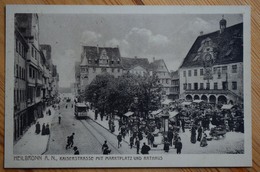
(20,72)
(18,97)
(17,73)
(189,73)
(201,86)
(214,70)
(208,86)
(118,70)
(195,72)
(30,72)
(112,70)
(195,86)
(14,96)
(189,86)
(184,73)
(224,69)
(234,68)
(234,85)
(94,69)
(16,45)
(215,85)
(201,72)
(32,52)
(184,86)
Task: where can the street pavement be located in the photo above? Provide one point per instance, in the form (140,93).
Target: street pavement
(89,136)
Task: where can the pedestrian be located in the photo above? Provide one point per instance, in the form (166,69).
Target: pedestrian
(203,142)
(76,151)
(66,106)
(72,105)
(59,118)
(70,141)
(37,128)
(183,125)
(137,143)
(131,142)
(166,145)
(145,149)
(96,114)
(119,140)
(193,135)
(43,129)
(199,134)
(152,139)
(47,129)
(49,112)
(170,137)
(105,149)
(179,146)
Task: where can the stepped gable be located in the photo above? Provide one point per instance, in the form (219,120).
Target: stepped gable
(129,63)
(94,53)
(228,47)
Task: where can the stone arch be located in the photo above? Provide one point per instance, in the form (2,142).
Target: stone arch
(196,97)
(189,97)
(222,99)
(212,99)
(204,98)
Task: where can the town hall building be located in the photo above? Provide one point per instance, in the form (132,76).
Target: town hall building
(212,71)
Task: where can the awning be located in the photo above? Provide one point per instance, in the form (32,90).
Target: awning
(226,106)
(197,101)
(173,114)
(156,112)
(127,114)
(186,103)
(166,101)
(81,105)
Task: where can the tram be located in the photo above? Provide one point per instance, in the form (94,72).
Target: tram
(81,111)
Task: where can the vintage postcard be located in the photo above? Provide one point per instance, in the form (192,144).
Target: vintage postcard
(127,86)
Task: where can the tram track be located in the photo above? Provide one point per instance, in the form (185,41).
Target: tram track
(90,129)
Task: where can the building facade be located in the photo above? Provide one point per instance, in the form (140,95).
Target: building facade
(136,66)
(20,84)
(175,85)
(213,68)
(32,73)
(97,60)
(161,70)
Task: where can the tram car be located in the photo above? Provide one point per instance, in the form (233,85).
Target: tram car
(81,111)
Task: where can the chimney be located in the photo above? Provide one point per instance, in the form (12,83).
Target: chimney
(201,33)
(97,49)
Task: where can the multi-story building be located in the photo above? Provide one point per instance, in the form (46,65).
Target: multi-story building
(175,85)
(161,70)
(33,73)
(29,28)
(213,68)
(96,60)
(137,66)
(20,84)
(55,83)
(47,74)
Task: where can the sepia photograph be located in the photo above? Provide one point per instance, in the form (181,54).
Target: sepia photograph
(119,86)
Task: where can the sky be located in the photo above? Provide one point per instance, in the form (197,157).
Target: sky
(163,36)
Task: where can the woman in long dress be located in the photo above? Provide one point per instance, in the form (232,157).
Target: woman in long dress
(203,142)
(193,135)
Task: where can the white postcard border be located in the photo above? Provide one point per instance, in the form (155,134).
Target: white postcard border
(183,160)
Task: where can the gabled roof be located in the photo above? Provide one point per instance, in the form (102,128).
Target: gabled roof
(129,63)
(228,47)
(155,65)
(94,53)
